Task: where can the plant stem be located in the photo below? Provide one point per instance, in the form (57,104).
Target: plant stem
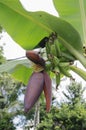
(73,51)
(79,71)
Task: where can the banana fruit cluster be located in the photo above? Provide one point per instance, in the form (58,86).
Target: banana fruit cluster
(60,60)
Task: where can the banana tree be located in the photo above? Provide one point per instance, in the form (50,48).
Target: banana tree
(59,39)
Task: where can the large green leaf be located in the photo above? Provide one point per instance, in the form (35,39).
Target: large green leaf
(27,28)
(73,11)
(10,65)
(24,28)
(20,69)
(22,73)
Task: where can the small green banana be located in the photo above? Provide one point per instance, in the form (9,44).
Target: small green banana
(64,64)
(55,61)
(67,56)
(64,70)
(48,48)
(53,50)
(57,47)
(79,71)
(56,70)
(57,80)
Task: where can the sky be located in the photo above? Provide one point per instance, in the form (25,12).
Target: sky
(13,50)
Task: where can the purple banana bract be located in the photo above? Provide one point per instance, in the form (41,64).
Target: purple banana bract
(38,82)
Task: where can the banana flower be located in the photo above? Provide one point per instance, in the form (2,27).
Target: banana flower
(38,82)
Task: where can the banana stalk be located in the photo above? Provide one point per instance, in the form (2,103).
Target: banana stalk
(75,52)
(79,71)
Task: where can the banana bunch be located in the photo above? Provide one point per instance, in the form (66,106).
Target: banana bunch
(55,48)
(61,59)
